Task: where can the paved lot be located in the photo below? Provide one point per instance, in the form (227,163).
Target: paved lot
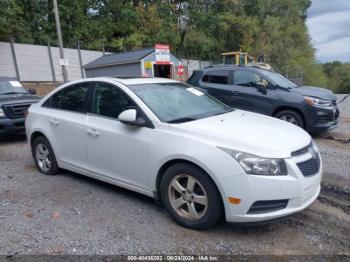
(71,214)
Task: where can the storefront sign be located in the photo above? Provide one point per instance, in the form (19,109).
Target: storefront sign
(148,64)
(162,54)
(180,70)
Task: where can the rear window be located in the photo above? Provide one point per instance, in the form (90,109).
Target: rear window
(194,79)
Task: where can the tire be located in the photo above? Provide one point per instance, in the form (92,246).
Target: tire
(204,191)
(291,116)
(44,156)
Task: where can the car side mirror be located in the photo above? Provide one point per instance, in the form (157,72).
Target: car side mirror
(32,91)
(262,87)
(129,117)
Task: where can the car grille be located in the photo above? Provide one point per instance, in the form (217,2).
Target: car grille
(311,166)
(265,206)
(16,111)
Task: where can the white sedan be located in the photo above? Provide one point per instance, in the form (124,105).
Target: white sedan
(171,141)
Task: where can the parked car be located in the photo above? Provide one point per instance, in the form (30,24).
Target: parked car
(264,91)
(14,102)
(168,140)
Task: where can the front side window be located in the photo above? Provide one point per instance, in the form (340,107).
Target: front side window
(246,78)
(73,97)
(178,102)
(110,101)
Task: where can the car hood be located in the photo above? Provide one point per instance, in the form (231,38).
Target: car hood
(248,132)
(18,98)
(318,92)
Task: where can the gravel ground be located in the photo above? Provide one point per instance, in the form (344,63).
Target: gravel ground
(72,214)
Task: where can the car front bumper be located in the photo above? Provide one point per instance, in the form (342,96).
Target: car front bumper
(11,126)
(298,190)
(322,119)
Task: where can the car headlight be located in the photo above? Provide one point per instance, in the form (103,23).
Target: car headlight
(314,101)
(256,165)
(2,113)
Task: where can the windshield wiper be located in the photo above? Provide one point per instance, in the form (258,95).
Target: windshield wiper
(226,111)
(182,120)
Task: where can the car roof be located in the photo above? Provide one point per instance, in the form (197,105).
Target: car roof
(232,67)
(126,80)
(139,80)
(122,80)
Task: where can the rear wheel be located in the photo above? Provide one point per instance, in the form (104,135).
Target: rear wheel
(291,116)
(44,156)
(190,196)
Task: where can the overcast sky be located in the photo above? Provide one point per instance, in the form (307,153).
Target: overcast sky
(329,26)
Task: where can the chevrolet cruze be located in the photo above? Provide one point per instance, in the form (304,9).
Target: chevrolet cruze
(168,140)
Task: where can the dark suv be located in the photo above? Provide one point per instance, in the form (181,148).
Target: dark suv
(267,92)
(14,102)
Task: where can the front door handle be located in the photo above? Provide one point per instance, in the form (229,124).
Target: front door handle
(235,93)
(54,122)
(93,132)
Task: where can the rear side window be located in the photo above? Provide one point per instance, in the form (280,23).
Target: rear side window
(246,78)
(110,101)
(56,100)
(206,78)
(217,77)
(71,98)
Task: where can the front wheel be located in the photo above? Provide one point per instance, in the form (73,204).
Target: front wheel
(190,196)
(291,116)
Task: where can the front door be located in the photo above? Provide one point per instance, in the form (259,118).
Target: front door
(247,95)
(115,150)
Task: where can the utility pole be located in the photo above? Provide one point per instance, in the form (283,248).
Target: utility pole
(60,42)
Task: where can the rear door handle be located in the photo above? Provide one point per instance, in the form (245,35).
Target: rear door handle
(93,132)
(235,93)
(54,122)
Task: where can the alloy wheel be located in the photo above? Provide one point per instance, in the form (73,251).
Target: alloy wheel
(289,118)
(188,197)
(42,154)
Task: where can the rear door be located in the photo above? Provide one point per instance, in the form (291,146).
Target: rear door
(218,83)
(65,117)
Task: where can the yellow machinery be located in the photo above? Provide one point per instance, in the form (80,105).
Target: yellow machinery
(236,58)
(241,58)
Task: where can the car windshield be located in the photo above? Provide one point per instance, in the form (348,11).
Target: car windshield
(11,87)
(279,79)
(178,102)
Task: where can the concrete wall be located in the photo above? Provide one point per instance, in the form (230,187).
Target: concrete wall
(194,65)
(34,62)
(132,69)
